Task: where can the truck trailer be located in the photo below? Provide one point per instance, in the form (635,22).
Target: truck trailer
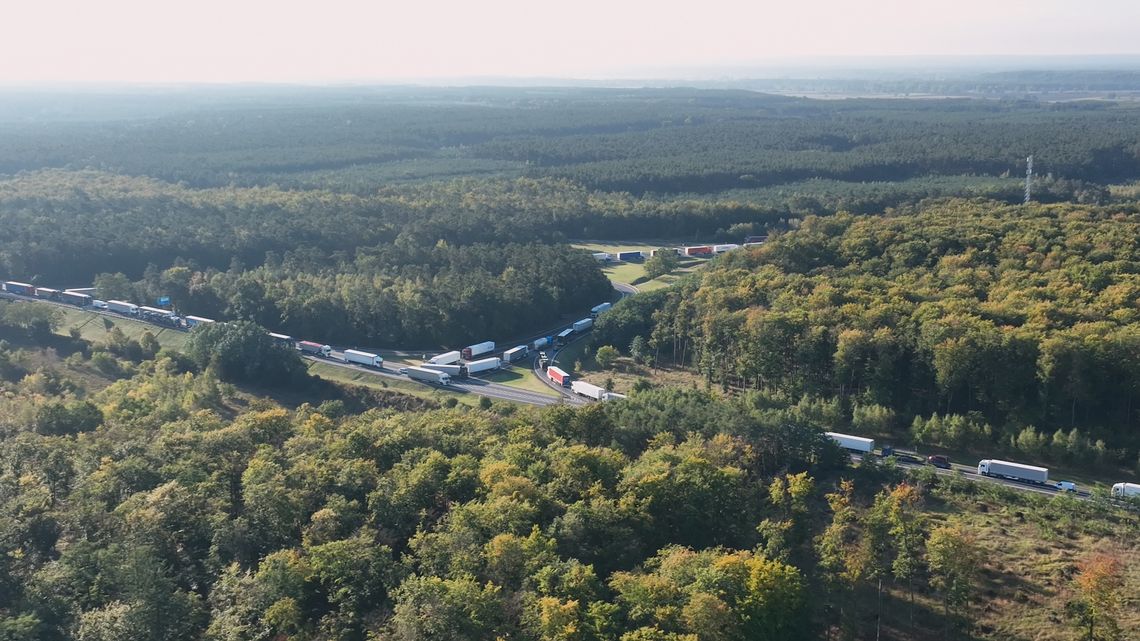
(564,335)
(75,298)
(558,376)
(445,359)
(283,339)
(47,293)
(630,255)
(542,342)
(155,311)
(428,375)
(24,289)
(316,349)
(1015,471)
(598,309)
(194,321)
(123,307)
(589,390)
(454,370)
(478,349)
(853,443)
(1126,490)
(515,353)
(583,325)
(363,358)
(699,250)
(484,365)
(720,249)
(602,257)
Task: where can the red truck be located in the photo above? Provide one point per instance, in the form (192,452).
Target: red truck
(699,250)
(558,376)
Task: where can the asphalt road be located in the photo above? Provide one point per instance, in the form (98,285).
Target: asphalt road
(910,460)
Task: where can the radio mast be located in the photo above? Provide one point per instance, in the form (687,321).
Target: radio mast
(1028,178)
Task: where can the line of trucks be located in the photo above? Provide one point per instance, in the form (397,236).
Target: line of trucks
(987,467)
(693,251)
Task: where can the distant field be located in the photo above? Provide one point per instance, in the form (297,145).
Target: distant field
(357,377)
(520,376)
(623,272)
(96,327)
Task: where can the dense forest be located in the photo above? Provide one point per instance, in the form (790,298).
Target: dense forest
(144,498)
(1019,323)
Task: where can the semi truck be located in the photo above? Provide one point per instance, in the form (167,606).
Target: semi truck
(598,309)
(454,370)
(720,249)
(155,311)
(363,358)
(478,349)
(699,250)
(542,342)
(24,289)
(123,307)
(1126,490)
(194,321)
(515,353)
(484,365)
(853,443)
(564,335)
(589,390)
(1014,471)
(75,298)
(428,375)
(630,255)
(316,349)
(47,293)
(583,325)
(602,257)
(284,339)
(558,376)
(445,359)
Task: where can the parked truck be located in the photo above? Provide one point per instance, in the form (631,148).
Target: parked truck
(316,349)
(598,309)
(363,358)
(428,375)
(542,342)
(720,249)
(445,359)
(558,376)
(699,250)
(283,339)
(630,255)
(123,307)
(515,353)
(583,325)
(24,289)
(47,293)
(853,443)
(602,257)
(484,365)
(75,298)
(564,336)
(589,390)
(478,349)
(194,321)
(1126,490)
(454,370)
(1014,471)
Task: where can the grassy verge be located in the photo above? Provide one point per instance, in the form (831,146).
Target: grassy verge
(95,327)
(520,376)
(356,377)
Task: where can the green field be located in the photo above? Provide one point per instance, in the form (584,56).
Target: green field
(630,273)
(357,377)
(95,327)
(522,378)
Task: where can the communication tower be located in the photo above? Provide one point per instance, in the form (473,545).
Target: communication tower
(1028,178)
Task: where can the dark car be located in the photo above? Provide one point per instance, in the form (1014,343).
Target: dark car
(937,460)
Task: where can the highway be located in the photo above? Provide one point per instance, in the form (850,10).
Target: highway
(911,460)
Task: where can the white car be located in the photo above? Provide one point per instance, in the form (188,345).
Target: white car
(98,304)
(1065,486)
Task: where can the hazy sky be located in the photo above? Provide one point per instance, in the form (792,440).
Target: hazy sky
(336,40)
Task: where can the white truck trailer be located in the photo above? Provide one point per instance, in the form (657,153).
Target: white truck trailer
(478,349)
(428,375)
(853,443)
(1015,471)
(589,390)
(123,307)
(484,365)
(446,358)
(194,321)
(583,325)
(1126,490)
(515,353)
(454,370)
(363,358)
(598,309)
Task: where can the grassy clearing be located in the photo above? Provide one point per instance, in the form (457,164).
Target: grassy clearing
(521,377)
(95,327)
(356,377)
